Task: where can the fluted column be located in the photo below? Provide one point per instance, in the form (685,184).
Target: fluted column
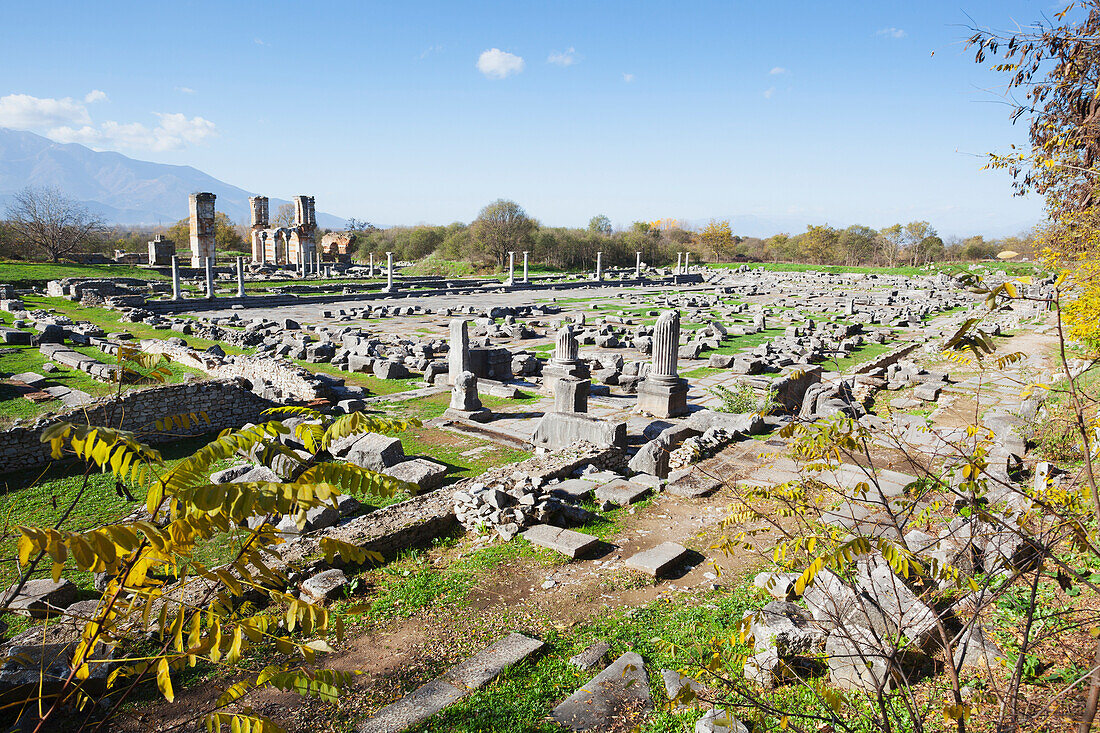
(566,351)
(240,277)
(666,345)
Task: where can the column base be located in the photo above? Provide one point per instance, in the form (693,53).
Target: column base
(552,372)
(482,415)
(663,399)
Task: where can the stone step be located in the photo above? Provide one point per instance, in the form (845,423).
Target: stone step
(574,489)
(457,682)
(660,559)
(566,541)
(618,694)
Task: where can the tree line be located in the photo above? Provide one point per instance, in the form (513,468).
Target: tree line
(43,224)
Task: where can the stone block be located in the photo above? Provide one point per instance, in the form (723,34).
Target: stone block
(484,666)
(324,586)
(566,541)
(375,452)
(42,597)
(615,696)
(592,656)
(558,429)
(427,475)
(621,492)
(659,560)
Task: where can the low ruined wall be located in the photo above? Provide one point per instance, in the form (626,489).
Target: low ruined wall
(289,379)
(226,402)
(416,522)
(885,360)
(791,388)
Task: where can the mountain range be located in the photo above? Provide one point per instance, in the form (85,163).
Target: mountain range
(118,189)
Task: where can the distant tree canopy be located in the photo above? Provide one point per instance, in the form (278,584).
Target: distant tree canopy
(505,227)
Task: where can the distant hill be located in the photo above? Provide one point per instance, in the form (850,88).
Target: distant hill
(119,189)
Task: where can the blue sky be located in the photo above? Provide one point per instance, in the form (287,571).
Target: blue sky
(773,114)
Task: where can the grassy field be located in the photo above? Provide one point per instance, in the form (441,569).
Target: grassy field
(26,274)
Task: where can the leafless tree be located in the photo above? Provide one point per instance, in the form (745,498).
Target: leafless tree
(47,220)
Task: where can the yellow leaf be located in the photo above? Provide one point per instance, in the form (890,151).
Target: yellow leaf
(164,680)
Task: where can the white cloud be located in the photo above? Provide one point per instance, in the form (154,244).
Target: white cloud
(769,92)
(430,50)
(259,41)
(185,90)
(173,132)
(22,111)
(891,32)
(563,58)
(497,64)
(67,121)
(628,78)
(777,70)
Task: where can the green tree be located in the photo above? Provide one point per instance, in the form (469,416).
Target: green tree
(717,238)
(857,244)
(599,224)
(502,227)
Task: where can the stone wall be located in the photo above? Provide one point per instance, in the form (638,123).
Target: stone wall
(226,402)
(279,376)
(890,357)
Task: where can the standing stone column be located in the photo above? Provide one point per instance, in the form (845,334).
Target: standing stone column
(465,403)
(679,256)
(389,273)
(240,277)
(458,358)
(664,393)
(525,268)
(371,271)
(209,278)
(637,265)
(176,295)
(511,269)
(599,266)
(687,259)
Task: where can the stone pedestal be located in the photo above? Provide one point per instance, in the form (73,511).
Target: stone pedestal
(559,429)
(571,395)
(465,404)
(663,398)
(553,371)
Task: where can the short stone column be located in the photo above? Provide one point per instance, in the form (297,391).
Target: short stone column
(599,266)
(565,361)
(389,273)
(525,279)
(637,265)
(209,278)
(465,404)
(176,293)
(664,393)
(240,277)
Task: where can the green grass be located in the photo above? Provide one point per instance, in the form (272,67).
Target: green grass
(735,344)
(864,353)
(110,321)
(373,384)
(23,274)
(522,697)
(704,372)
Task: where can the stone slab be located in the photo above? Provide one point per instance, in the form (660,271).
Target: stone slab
(593,655)
(692,485)
(416,707)
(658,560)
(603,704)
(566,541)
(484,666)
(573,489)
(621,492)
